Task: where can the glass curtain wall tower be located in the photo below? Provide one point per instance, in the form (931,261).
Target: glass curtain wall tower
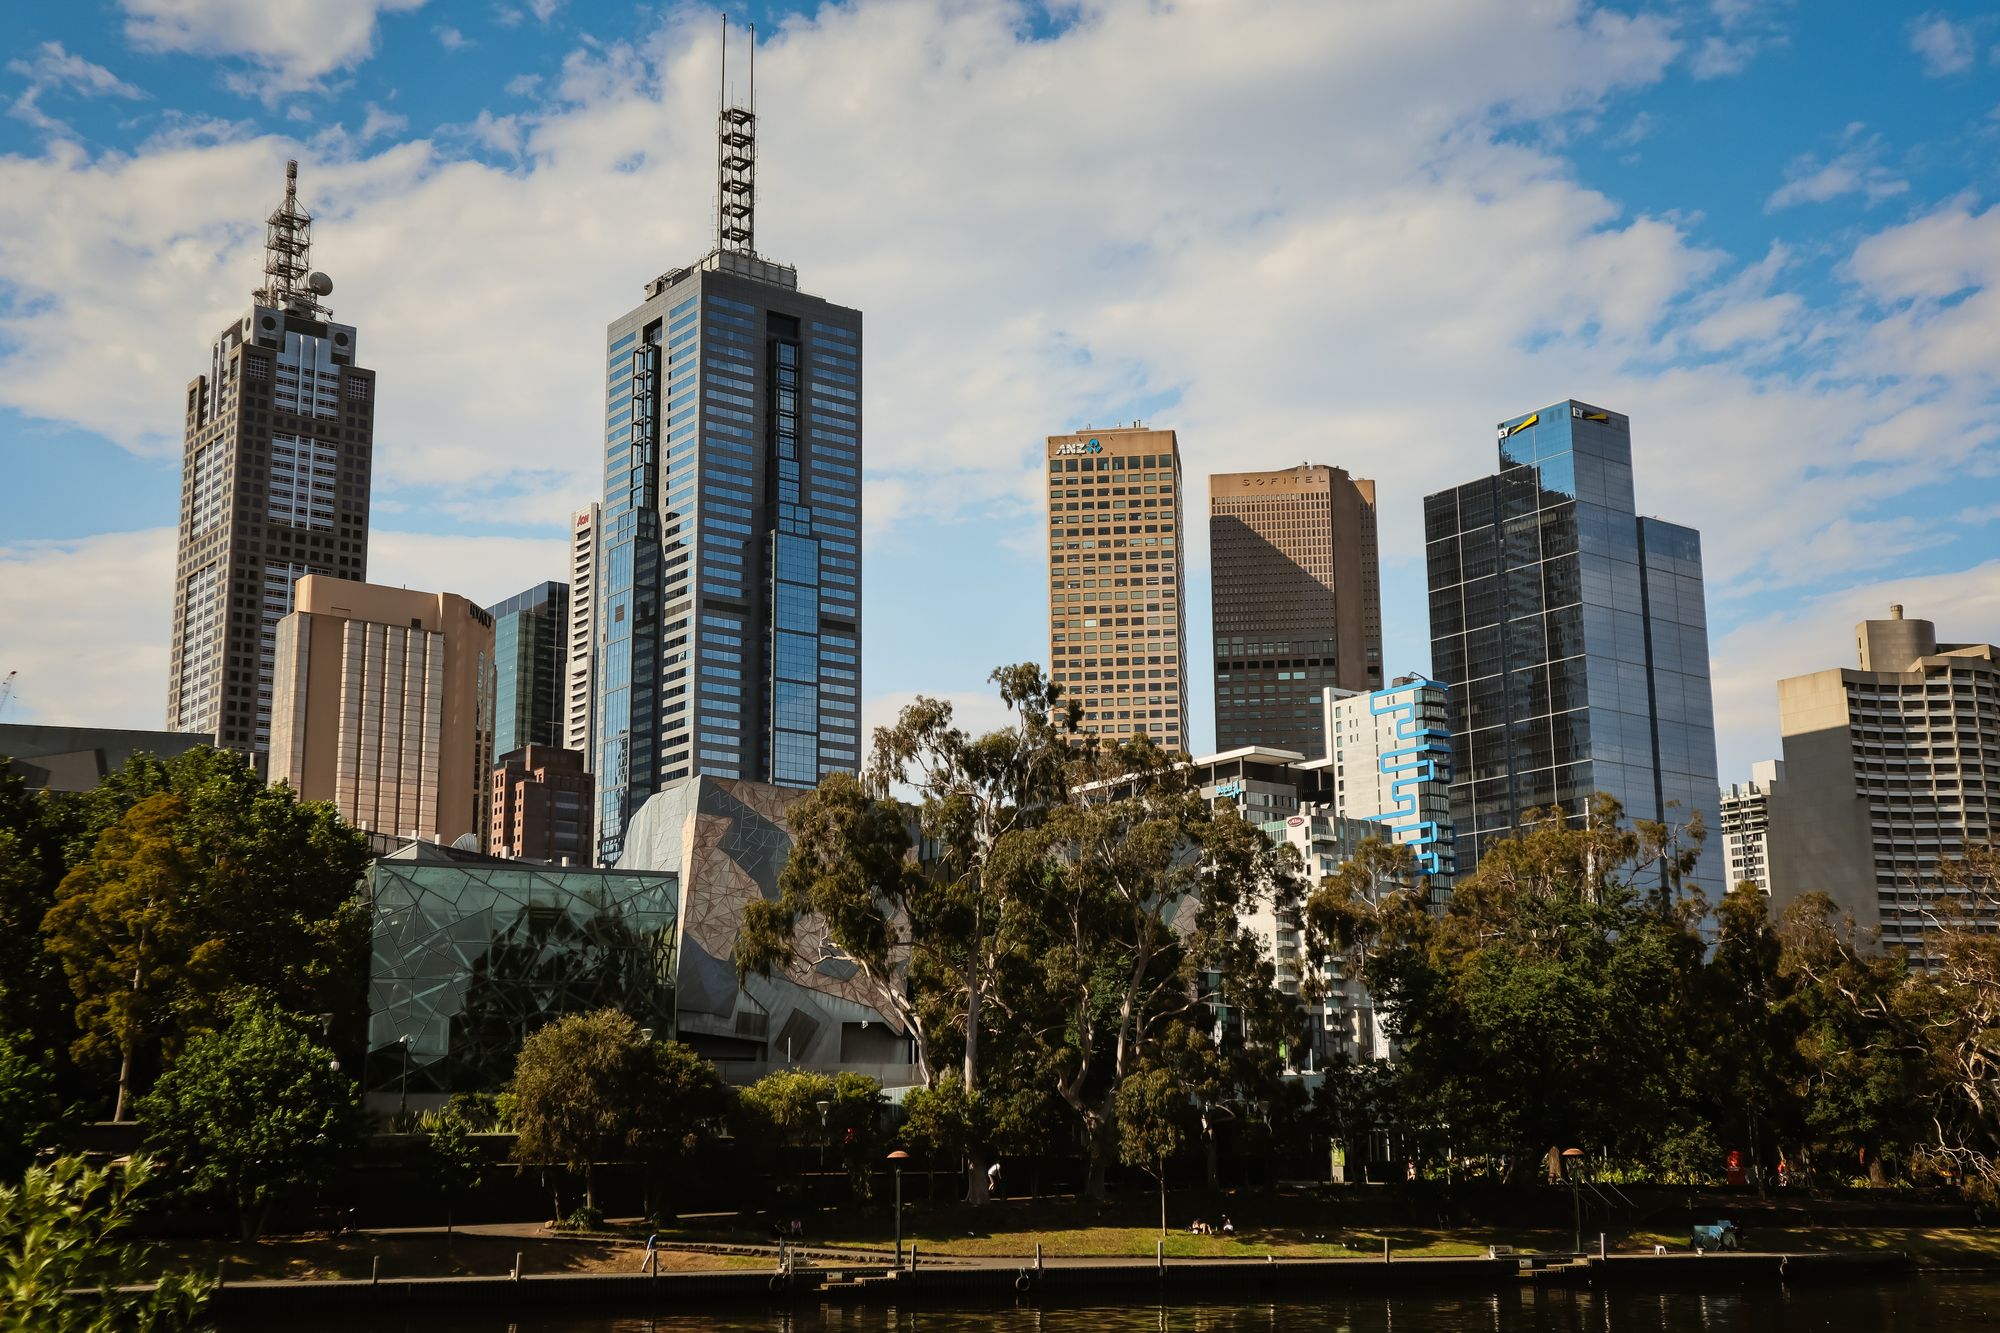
(1572,633)
(729,575)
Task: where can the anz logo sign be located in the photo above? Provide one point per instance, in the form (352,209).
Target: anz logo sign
(1079,447)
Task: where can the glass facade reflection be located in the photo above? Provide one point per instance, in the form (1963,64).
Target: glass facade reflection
(1572,633)
(728,613)
(530,652)
(471,953)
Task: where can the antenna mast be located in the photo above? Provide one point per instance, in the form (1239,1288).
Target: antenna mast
(736,159)
(288,254)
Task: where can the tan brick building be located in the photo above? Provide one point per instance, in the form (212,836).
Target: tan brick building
(384,705)
(1117,605)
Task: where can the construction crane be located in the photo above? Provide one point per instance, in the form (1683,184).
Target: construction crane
(7,689)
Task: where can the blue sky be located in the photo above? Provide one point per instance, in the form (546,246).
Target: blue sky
(1351,233)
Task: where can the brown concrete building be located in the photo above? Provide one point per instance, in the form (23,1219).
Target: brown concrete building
(274,485)
(1888,770)
(1117,614)
(1296,598)
(541,801)
(384,706)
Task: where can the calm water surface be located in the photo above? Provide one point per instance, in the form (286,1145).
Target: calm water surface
(1922,1305)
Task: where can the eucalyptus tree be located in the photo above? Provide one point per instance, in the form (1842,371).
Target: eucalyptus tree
(1138,894)
(921,898)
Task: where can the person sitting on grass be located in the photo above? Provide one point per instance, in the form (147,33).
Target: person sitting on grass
(1228,1227)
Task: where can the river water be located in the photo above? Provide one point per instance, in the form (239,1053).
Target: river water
(1919,1305)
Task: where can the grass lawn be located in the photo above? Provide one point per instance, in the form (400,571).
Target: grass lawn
(1931,1247)
(316,1257)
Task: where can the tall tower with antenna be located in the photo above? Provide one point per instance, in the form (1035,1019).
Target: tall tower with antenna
(275,471)
(728,603)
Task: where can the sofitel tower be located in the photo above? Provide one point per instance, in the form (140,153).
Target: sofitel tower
(274,485)
(728,595)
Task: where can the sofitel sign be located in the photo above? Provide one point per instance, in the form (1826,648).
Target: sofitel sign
(1079,447)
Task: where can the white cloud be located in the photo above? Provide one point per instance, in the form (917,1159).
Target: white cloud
(88,627)
(451,39)
(1817,634)
(377,123)
(1369,270)
(292,44)
(1856,169)
(55,67)
(1720,57)
(1945,47)
(100,610)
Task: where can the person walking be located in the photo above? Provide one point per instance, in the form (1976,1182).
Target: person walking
(993,1180)
(646,1265)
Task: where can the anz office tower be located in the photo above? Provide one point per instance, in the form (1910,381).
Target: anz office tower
(728,604)
(1572,633)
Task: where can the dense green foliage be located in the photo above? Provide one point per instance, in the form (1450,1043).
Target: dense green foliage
(62,1261)
(591,1088)
(252,1113)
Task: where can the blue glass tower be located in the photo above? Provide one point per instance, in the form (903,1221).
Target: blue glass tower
(529,652)
(1572,633)
(729,607)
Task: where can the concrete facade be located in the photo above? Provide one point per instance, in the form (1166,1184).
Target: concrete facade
(1389,762)
(580,662)
(275,475)
(1889,770)
(1746,825)
(78,758)
(384,706)
(1296,601)
(1117,581)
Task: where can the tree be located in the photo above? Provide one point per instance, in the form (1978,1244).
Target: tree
(34,828)
(783,1108)
(1547,1005)
(946,921)
(453,1166)
(253,1112)
(944,1120)
(65,1269)
(1152,1114)
(192,885)
(1864,1085)
(27,1100)
(125,927)
(1137,890)
(590,1088)
(682,1101)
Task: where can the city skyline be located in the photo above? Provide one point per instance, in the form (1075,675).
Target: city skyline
(1877,272)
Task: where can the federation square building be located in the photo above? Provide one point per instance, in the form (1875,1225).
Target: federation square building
(728,588)
(1572,635)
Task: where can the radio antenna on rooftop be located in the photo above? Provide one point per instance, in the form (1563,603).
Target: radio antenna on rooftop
(736,157)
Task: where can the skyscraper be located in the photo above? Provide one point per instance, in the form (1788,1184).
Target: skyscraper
(1747,808)
(1891,767)
(530,646)
(1388,761)
(580,666)
(1297,601)
(274,485)
(1572,634)
(729,592)
(1117,617)
(385,707)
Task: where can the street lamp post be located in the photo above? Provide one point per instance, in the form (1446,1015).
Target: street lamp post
(899,1157)
(403,1104)
(1573,1165)
(824,1107)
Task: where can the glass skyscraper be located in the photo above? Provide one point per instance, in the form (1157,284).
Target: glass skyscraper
(530,649)
(1572,634)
